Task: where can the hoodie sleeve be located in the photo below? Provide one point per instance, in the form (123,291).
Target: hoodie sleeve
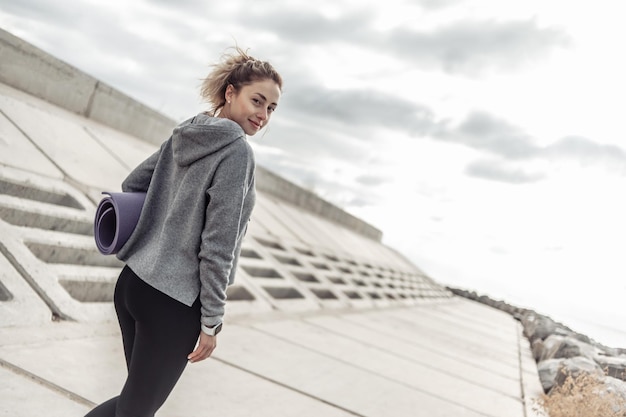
(139,179)
(227,214)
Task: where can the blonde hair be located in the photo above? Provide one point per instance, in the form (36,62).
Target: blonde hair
(238,69)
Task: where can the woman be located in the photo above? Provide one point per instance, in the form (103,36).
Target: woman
(183,253)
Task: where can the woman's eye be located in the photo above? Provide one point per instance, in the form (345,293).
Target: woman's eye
(271,109)
(256,101)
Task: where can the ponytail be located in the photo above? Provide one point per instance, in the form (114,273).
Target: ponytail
(238,69)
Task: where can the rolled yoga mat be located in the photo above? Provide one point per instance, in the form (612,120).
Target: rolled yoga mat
(116,218)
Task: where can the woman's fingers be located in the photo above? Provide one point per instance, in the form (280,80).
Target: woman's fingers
(206,345)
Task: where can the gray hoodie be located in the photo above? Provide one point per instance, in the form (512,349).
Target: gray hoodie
(200,194)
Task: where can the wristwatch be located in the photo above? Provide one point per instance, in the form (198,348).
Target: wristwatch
(211,331)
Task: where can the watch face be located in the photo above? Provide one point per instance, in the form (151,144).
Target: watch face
(217,329)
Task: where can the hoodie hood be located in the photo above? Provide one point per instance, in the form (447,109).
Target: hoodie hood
(202,136)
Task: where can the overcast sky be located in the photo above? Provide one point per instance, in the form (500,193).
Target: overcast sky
(485,138)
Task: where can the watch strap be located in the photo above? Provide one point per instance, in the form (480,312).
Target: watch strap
(211,331)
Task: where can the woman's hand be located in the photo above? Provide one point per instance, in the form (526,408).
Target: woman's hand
(206,345)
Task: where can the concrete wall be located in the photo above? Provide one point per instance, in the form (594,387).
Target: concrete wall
(279,187)
(32,70)
(29,69)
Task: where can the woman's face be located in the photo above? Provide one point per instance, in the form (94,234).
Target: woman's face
(252,106)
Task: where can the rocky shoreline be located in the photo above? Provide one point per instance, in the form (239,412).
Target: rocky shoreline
(559,351)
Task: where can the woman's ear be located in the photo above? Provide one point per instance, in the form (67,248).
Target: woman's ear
(230,92)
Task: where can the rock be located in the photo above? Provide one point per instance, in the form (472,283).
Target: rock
(537,347)
(575,367)
(538,327)
(557,346)
(583,338)
(613,366)
(550,346)
(548,371)
(615,385)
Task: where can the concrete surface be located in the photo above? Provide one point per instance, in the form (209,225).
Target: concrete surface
(449,357)
(323,319)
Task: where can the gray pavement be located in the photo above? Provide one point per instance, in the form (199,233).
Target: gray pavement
(439,358)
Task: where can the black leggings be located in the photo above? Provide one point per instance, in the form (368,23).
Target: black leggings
(158,333)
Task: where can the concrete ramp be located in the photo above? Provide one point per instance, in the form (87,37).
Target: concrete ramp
(323,319)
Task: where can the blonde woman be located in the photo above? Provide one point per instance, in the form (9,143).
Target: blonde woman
(183,254)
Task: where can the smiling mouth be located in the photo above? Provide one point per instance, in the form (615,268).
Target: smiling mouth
(255,124)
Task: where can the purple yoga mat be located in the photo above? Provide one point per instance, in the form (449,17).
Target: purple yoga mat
(116,218)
